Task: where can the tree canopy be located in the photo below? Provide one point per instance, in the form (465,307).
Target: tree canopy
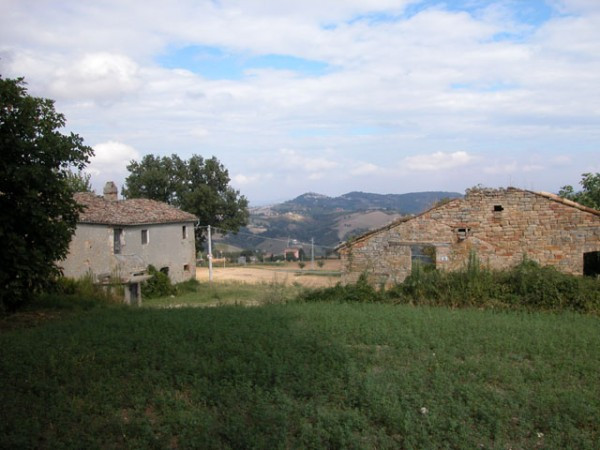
(79,181)
(199,186)
(589,195)
(38,214)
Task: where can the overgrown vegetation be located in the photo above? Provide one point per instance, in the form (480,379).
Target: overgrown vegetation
(81,294)
(158,286)
(526,286)
(302,376)
(193,294)
(362,291)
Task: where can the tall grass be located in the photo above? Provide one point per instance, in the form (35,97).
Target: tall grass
(528,286)
(76,294)
(193,293)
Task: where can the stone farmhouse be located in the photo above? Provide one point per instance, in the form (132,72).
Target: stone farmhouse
(501,226)
(115,241)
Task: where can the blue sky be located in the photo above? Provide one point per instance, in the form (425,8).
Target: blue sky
(387,96)
(220,64)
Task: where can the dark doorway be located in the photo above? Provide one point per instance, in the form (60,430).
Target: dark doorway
(134,293)
(591,264)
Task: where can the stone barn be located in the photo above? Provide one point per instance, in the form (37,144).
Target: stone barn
(501,226)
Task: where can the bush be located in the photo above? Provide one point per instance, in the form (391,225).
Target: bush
(158,286)
(362,292)
(528,286)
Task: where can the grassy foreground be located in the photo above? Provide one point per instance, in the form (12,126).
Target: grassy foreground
(302,375)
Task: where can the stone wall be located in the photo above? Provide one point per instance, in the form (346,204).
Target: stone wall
(501,226)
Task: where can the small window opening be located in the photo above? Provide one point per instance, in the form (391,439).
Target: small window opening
(463,233)
(144,237)
(186,267)
(423,255)
(117,235)
(165,270)
(498,208)
(184,232)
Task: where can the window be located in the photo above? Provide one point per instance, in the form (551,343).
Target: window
(117,236)
(184,232)
(423,255)
(463,233)
(145,237)
(165,270)
(498,208)
(186,267)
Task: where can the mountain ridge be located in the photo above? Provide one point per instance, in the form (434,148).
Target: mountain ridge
(328,220)
(408,203)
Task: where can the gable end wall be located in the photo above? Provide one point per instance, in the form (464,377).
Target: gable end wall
(529,225)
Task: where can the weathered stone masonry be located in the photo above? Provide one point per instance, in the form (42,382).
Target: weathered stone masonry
(502,226)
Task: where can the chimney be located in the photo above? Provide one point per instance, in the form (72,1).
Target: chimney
(111,193)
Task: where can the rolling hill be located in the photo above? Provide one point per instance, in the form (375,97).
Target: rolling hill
(329,220)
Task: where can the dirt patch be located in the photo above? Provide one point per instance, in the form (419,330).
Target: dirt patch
(288,274)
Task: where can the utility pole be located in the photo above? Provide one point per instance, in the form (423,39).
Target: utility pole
(209,257)
(312,253)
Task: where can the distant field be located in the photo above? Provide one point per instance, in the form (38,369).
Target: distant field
(320,375)
(285,273)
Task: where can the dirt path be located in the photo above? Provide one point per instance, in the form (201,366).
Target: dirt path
(287,274)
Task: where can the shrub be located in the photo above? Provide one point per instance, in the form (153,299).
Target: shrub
(362,292)
(159,285)
(526,286)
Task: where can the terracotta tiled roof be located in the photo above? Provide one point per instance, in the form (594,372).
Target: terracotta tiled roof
(136,211)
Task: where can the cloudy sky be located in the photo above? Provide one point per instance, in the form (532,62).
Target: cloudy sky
(329,96)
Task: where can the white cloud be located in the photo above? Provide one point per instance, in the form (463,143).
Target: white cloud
(365,169)
(291,159)
(441,78)
(438,161)
(561,160)
(102,77)
(109,163)
(501,168)
(242,180)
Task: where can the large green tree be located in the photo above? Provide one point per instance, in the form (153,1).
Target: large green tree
(38,214)
(589,195)
(199,186)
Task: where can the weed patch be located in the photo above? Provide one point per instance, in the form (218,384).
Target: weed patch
(527,286)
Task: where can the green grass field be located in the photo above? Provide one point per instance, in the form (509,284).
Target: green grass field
(295,375)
